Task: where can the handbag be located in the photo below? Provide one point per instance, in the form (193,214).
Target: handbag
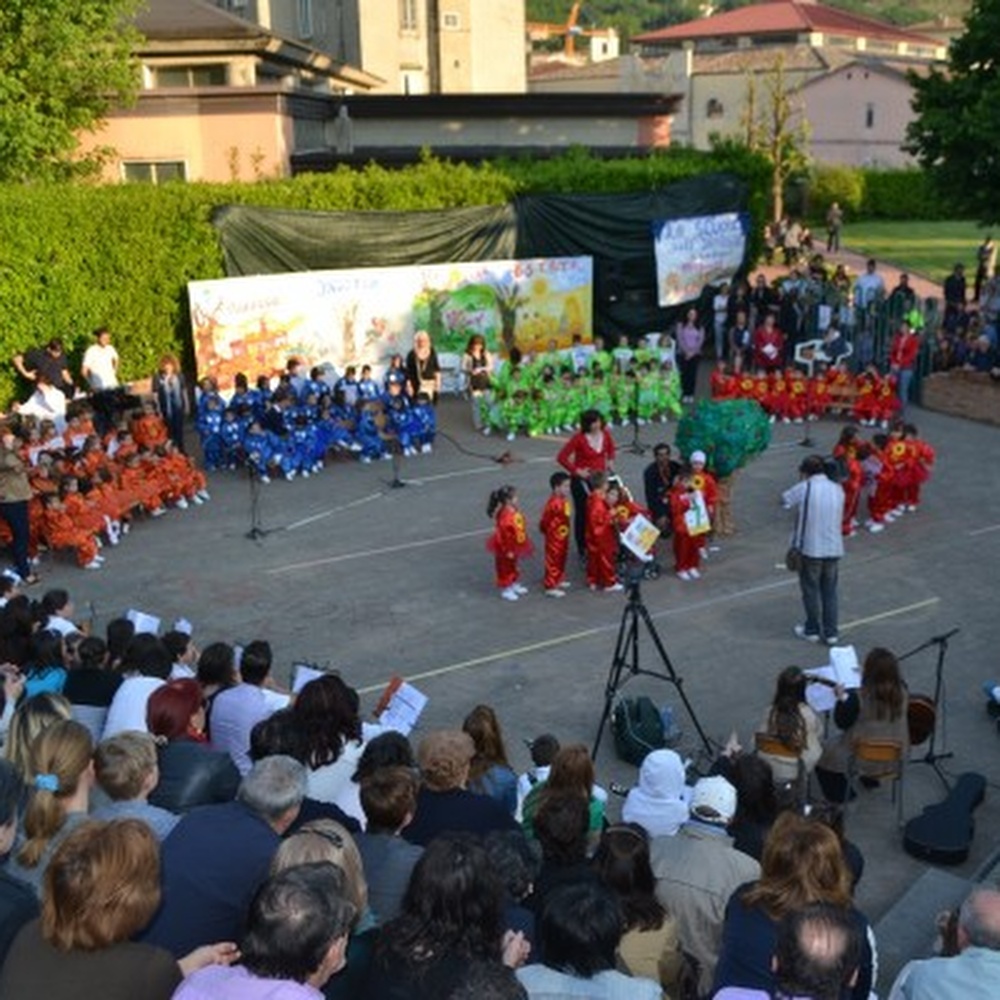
(793,557)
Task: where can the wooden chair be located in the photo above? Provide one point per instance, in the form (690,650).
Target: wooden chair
(771,746)
(881,759)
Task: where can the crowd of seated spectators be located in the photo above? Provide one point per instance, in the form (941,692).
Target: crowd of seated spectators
(211,836)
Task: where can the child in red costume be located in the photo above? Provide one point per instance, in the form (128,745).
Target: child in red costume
(554,525)
(846,449)
(866,401)
(887,401)
(798,390)
(687,551)
(508,542)
(723,385)
(922,456)
(601,537)
(818,396)
(705,483)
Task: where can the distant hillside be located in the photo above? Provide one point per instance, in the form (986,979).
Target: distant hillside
(631,17)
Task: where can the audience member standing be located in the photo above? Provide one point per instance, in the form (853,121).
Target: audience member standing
(690,340)
(15,492)
(171,394)
(820,505)
(48,362)
(591,449)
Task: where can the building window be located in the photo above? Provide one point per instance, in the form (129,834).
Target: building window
(408,15)
(451,20)
(154,171)
(413,81)
(869,116)
(208,75)
(305,19)
(714,108)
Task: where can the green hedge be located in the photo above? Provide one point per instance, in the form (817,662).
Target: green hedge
(75,257)
(868,193)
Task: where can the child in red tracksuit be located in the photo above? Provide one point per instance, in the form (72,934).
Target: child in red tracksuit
(601,537)
(705,483)
(60,532)
(508,542)
(687,550)
(922,458)
(554,525)
(846,449)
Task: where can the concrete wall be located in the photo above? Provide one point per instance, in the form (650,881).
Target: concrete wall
(837,107)
(510,131)
(243,136)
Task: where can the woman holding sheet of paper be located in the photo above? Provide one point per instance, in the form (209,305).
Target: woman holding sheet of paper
(876,710)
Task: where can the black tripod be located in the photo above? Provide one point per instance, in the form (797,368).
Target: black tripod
(932,757)
(257,530)
(626,658)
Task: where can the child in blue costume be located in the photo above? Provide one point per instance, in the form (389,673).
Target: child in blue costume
(368,432)
(232,438)
(424,418)
(347,384)
(257,445)
(209,425)
(400,421)
(368,388)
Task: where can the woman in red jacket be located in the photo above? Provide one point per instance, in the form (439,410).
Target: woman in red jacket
(591,449)
(903,358)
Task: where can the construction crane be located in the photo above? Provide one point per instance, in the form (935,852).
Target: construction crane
(540,31)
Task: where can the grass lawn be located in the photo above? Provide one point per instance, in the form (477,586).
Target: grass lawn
(928,248)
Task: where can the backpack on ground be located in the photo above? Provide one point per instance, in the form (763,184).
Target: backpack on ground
(638,729)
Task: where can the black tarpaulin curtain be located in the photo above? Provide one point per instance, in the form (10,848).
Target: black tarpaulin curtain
(614,229)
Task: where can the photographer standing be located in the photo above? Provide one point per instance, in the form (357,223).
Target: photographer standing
(820,505)
(15,492)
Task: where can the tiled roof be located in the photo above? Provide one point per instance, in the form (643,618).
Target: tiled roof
(192,19)
(783,17)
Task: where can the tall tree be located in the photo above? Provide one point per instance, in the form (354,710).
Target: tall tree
(956,132)
(774,124)
(63,65)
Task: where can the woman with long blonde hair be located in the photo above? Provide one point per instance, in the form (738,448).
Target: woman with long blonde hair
(803,863)
(60,775)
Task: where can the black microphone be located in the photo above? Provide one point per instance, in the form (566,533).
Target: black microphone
(946,636)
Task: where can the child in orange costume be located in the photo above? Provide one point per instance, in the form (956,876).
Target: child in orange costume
(192,481)
(148,429)
(60,532)
(687,550)
(554,525)
(922,458)
(601,537)
(508,542)
(886,399)
(779,399)
(139,490)
(84,514)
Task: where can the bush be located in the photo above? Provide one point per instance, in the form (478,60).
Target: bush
(829,184)
(75,257)
(901,194)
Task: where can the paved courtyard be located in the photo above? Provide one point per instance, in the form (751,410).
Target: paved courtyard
(374,582)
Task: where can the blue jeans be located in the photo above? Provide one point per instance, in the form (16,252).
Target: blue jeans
(818,581)
(905,381)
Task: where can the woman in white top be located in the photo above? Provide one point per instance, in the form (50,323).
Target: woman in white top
(327,720)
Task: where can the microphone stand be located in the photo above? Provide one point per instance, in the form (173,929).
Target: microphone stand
(932,757)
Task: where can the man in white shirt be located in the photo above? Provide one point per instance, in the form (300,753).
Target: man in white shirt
(870,286)
(236,710)
(100,363)
(819,538)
